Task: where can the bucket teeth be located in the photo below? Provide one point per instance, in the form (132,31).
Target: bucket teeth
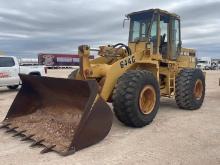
(36,143)
(5,125)
(19,133)
(11,129)
(47,149)
(27,137)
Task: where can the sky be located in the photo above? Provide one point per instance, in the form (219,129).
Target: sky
(29,27)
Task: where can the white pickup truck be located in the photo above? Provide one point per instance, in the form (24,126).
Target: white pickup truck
(9,70)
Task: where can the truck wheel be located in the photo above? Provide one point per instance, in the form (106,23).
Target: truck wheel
(136,98)
(73,74)
(190,89)
(13,87)
(35,74)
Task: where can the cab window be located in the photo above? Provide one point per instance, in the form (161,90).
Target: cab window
(176,42)
(139,27)
(6,62)
(164,26)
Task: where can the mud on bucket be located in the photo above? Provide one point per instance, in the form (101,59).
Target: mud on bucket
(61,114)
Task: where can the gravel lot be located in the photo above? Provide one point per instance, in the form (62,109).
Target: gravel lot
(175,137)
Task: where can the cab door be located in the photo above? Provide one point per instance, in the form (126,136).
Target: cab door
(9,70)
(175,38)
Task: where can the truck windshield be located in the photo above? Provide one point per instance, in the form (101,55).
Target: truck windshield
(139,27)
(6,62)
(203,62)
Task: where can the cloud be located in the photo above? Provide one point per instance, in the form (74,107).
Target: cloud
(32,26)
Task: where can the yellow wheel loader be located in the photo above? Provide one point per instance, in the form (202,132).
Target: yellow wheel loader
(66,115)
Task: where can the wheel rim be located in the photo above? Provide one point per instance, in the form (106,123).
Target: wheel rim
(198,89)
(147,99)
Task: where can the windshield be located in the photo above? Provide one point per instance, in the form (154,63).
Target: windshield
(203,62)
(139,28)
(6,62)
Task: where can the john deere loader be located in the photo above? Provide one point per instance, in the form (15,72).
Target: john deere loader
(66,115)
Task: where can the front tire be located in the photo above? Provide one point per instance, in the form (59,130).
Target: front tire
(190,89)
(136,98)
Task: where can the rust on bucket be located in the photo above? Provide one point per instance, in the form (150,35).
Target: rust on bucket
(61,114)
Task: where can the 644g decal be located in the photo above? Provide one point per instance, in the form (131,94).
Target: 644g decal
(127,61)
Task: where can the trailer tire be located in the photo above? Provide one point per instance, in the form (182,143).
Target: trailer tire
(190,89)
(129,98)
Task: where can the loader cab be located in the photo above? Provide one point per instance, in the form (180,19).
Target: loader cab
(159,28)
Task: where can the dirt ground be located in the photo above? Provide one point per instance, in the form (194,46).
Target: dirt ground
(175,137)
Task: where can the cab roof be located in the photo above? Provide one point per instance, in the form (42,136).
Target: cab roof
(150,11)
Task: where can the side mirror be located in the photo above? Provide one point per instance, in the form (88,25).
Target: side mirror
(126,19)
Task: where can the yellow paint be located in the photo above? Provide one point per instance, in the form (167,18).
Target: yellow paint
(114,62)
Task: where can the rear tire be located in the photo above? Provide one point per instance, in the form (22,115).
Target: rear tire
(73,74)
(13,87)
(127,96)
(190,89)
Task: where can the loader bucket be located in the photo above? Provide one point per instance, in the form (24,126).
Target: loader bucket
(61,114)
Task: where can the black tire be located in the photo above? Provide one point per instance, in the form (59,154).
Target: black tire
(185,84)
(126,98)
(13,87)
(73,74)
(35,74)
